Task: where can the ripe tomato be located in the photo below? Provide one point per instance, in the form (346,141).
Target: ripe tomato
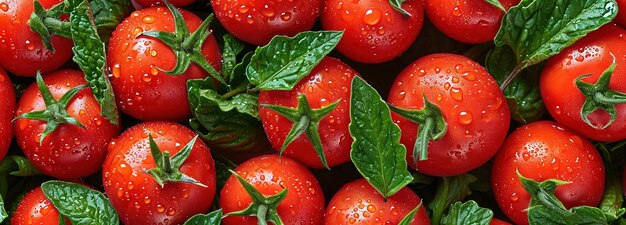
(35,208)
(545,150)
(7,110)
(468,21)
(136,196)
(21,50)
(590,55)
(140,88)
(177,3)
(374,31)
(69,151)
(257,21)
(270,174)
(328,82)
(621,16)
(498,222)
(359,203)
(472,105)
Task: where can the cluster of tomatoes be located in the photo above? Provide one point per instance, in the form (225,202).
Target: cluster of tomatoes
(59,126)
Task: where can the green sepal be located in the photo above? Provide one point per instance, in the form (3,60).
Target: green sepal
(168,168)
(397,5)
(543,193)
(186,46)
(46,23)
(411,215)
(432,126)
(55,112)
(264,208)
(497,4)
(305,120)
(600,96)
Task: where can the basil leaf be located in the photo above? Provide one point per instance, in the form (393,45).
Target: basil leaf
(90,55)
(282,63)
(232,47)
(397,5)
(80,204)
(613,199)
(108,14)
(497,4)
(235,129)
(18,166)
(449,191)
(376,149)
(467,213)
(538,29)
(411,216)
(213,218)
(522,94)
(3,213)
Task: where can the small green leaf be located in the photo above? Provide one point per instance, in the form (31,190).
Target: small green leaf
(232,47)
(3,213)
(235,130)
(282,63)
(80,204)
(467,213)
(497,4)
(213,218)
(18,166)
(397,5)
(449,191)
(411,216)
(108,14)
(376,149)
(613,199)
(264,208)
(90,55)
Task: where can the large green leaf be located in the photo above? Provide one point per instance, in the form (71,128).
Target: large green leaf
(467,213)
(108,14)
(80,204)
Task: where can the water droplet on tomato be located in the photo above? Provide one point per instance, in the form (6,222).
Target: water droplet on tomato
(372,16)
(116,71)
(514,197)
(243,9)
(29,45)
(456,94)
(286,16)
(4,6)
(465,118)
(137,31)
(249,19)
(153,70)
(160,208)
(148,19)
(402,95)
(267,11)
(446,86)
(171,212)
(456,11)
(153,52)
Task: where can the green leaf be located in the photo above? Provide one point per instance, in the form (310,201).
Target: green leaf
(90,55)
(283,62)
(3,213)
(213,218)
(613,199)
(449,191)
(232,130)
(108,14)
(376,149)
(411,216)
(497,4)
(232,47)
(522,94)
(467,213)
(18,166)
(243,103)
(538,29)
(397,5)
(80,204)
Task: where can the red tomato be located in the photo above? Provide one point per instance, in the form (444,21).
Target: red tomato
(177,3)
(359,203)
(472,105)
(621,16)
(374,31)
(545,150)
(21,50)
(136,196)
(468,21)
(36,208)
(327,83)
(498,222)
(69,151)
(270,174)
(7,110)
(140,88)
(257,21)
(590,55)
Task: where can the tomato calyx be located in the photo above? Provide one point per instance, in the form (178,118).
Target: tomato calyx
(600,96)
(432,126)
(305,120)
(46,22)
(187,46)
(264,208)
(168,169)
(55,112)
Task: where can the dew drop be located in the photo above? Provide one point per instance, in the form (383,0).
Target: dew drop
(29,45)
(456,94)
(456,11)
(286,16)
(4,6)
(243,9)
(148,19)
(465,118)
(267,12)
(372,16)
(116,71)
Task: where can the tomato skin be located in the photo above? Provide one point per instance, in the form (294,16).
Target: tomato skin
(621,16)
(257,21)
(136,196)
(140,88)
(327,83)
(177,3)
(498,222)
(7,110)
(36,208)
(374,31)
(270,174)
(21,51)
(359,203)
(468,21)
(564,100)
(471,102)
(564,155)
(70,151)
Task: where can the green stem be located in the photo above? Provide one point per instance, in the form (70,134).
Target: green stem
(235,92)
(58,27)
(518,69)
(438,212)
(603,99)
(478,50)
(420,150)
